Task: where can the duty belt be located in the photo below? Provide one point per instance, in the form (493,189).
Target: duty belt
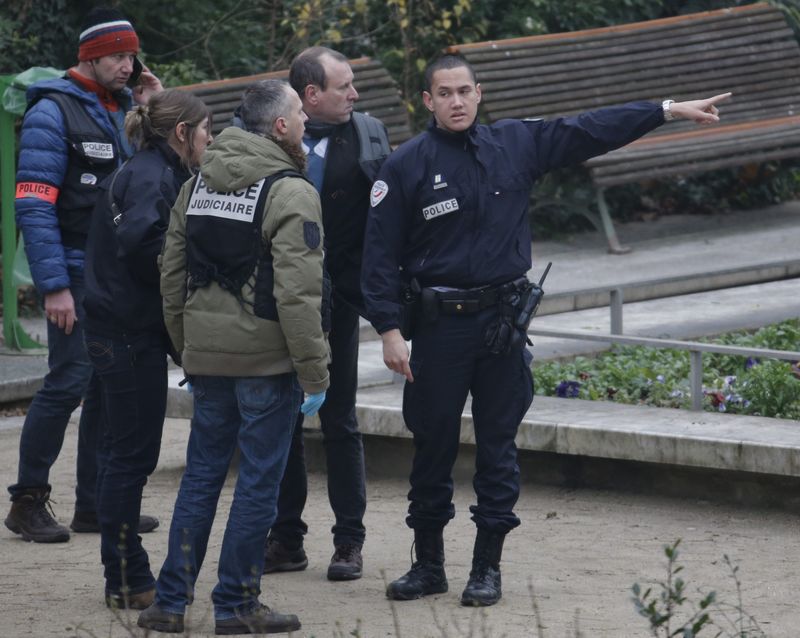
(470,300)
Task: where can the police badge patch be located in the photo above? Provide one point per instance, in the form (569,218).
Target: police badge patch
(311,235)
(379,190)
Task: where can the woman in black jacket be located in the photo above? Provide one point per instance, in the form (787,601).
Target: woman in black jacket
(125,334)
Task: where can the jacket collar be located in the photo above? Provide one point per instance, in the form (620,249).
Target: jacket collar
(459,138)
(318,130)
(108,99)
(172,157)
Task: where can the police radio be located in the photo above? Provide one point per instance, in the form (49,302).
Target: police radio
(509,330)
(530,301)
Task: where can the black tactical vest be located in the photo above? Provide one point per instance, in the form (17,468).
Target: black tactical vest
(224,244)
(93,155)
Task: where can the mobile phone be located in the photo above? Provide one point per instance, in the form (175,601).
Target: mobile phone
(137,71)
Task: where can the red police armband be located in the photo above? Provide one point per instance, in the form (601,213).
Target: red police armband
(45,192)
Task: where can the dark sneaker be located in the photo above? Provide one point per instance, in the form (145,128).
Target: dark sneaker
(279,558)
(142,600)
(86,523)
(29,517)
(157,619)
(259,621)
(346,563)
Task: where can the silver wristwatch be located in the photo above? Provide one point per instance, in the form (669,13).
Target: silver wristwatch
(668,114)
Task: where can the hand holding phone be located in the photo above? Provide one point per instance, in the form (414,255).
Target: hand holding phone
(145,85)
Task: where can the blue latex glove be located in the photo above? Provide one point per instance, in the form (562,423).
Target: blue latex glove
(313,403)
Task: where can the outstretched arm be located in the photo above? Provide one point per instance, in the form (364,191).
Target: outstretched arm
(700,111)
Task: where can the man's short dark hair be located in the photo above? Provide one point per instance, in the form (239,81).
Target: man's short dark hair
(307,69)
(446,61)
(264,102)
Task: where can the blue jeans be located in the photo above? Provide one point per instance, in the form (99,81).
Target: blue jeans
(344,449)
(132,369)
(69,380)
(258,414)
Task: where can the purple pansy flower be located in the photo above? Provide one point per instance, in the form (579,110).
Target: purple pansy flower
(568,389)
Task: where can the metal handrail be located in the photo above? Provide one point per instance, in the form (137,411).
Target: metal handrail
(695,348)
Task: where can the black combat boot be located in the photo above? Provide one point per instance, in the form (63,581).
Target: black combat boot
(426,575)
(484,587)
(29,517)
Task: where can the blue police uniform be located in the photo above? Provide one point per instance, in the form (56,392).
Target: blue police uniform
(451,210)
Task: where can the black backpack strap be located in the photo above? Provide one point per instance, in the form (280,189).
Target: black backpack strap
(258,217)
(262,199)
(112,202)
(265,305)
(373,143)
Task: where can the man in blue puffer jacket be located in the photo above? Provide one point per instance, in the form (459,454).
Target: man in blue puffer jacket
(72,138)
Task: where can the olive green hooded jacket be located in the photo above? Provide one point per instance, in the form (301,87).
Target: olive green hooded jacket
(217,334)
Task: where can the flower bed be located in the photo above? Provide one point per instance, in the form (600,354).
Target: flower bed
(660,377)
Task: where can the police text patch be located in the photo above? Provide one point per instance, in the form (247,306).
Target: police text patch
(237,205)
(98,150)
(379,190)
(440,208)
(38,190)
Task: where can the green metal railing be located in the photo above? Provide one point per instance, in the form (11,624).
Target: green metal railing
(15,336)
(695,348)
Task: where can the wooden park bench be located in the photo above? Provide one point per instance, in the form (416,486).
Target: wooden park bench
(749,50)
(378,93)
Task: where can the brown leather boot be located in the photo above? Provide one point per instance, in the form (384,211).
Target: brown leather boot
(142,600)
(29,517)
(346,563)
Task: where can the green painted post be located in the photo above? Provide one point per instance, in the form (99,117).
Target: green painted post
(13,333)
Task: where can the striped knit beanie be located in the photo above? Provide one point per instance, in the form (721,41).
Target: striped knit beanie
(105,32)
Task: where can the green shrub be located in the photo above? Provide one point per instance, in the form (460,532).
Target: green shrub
(670,612)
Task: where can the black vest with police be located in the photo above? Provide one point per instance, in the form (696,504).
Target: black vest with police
(224,242)
(93,156)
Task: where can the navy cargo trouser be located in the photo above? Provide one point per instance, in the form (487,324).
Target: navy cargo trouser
(449,360)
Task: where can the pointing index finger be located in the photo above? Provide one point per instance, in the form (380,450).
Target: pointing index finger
(719,98)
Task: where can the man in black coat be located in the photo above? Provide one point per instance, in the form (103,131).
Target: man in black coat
(343,174)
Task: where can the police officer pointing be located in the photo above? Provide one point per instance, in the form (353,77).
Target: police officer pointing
(448,242)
